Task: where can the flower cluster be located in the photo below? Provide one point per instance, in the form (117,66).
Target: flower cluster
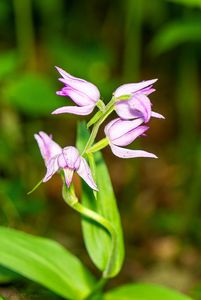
(133,108)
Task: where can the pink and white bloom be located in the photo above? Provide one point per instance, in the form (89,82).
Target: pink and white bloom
(138,104)
(67,159)
(122,133)
(82,92)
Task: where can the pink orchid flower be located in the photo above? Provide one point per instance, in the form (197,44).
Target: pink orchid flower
(138,104)
(82,92)
(123,132)
(67,159)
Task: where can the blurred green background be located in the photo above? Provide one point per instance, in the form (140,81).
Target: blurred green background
(108,43)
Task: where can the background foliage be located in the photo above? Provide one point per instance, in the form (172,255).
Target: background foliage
(107,43)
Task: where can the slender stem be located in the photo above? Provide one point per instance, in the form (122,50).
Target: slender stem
(98,146)
(98,287)
(108,110)
(71,199)
(90,214)
(104,223)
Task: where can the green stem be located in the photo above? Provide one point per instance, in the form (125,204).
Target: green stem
(108,110)
(98,287)
(71,199)
(98,146)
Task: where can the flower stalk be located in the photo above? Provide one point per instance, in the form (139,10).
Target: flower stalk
(108,110)
(98,146)
(71,199)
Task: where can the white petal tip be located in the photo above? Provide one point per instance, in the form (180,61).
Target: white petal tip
(57,111)
(54,112)
(150,155)
(57,68)
(157,115)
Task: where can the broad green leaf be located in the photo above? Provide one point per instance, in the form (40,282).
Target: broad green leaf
(33,95)
(175,34)
(144,292)
(45,262)
(97,240)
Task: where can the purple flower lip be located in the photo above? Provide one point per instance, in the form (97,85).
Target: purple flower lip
(122,133)
(83,93)
(138,104)
(67,159)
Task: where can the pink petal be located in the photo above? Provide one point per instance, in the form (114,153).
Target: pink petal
(68,173)
(121,127)
(127,153)
(52,168)
(78,97)
(80,85)
(85,172)
(47,146)
(123,110)
(61,161)
(139,106)
(141,103)
(66,75)
(157,115)
(147,91)
(109,126)
(72,157)
(76,110)
(130,136)
(131,88)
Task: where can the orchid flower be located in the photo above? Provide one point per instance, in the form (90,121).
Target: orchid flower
(82,92)
(137,105)
(67,159)
(123,132)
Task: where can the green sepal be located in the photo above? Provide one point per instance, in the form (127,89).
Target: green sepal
(95,118)
(124,97)
(35,187)
(101,105)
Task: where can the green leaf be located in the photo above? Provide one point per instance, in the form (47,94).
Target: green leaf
(97,240)
(45,262)
(175,34)
(144,292)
